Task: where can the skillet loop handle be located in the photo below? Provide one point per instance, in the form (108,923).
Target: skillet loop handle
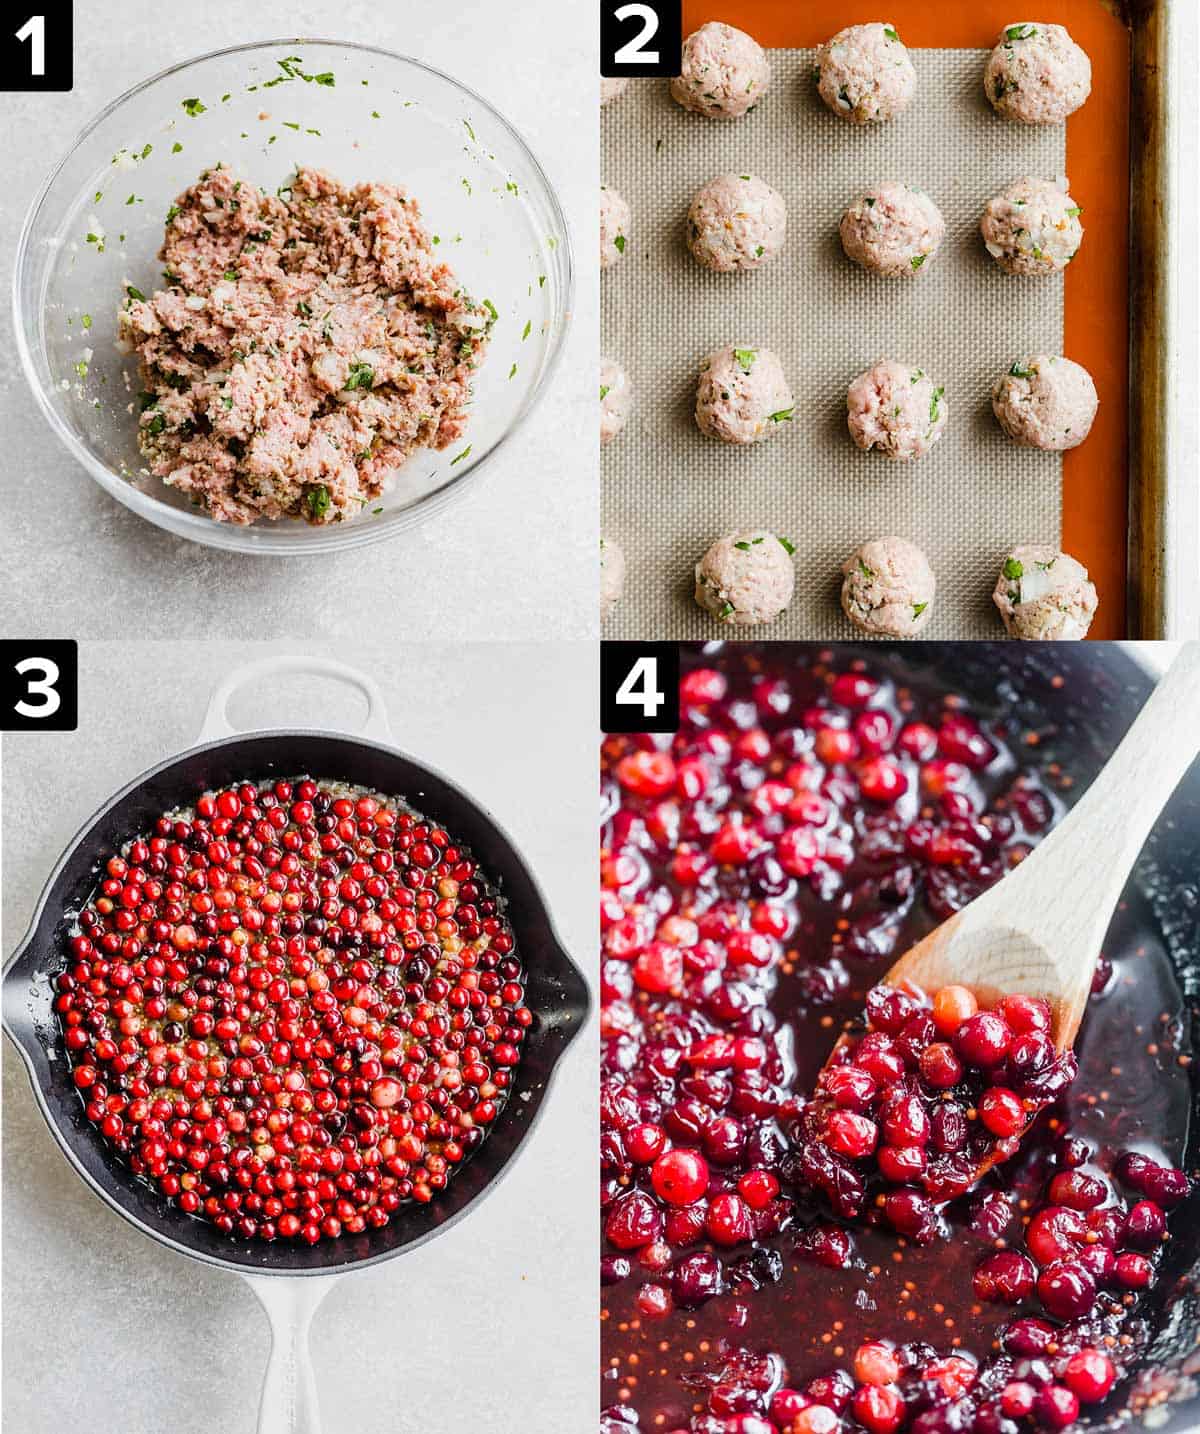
(289,1391)
(216,719)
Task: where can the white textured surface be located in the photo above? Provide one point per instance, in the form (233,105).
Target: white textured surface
(668,491)
(101,1319)
(515,558)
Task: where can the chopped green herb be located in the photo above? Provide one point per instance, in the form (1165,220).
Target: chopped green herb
(326,78)
(193,107)
(745,359)
(376,115)
(619,243)
(491,308)
(918,609)
(133,292)
(1013,569)
(512,373)
(789,548)
(866,571)
(917,260)
(758,253)
(783,416)
(361,375)
(527,330)
(177,148)
(460,456)
(726,611)
(604,392)
(470,131)
(890,33)
(86,320)
(156,424)
(304,308)
(1018,370)
(146,400)
(172,212)
(318,500)
(1075,211)
(933,404)
(745,547)
(231,275)
(1020,32)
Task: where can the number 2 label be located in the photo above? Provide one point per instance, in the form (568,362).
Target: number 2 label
(640,38)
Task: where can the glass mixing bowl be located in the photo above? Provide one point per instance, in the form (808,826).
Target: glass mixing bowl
(359,113)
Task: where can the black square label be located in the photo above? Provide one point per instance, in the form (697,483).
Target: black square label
(640,38)
(39,685)
(639,686)
(36,42)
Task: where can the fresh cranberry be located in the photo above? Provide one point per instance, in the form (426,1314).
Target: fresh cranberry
(645,1143)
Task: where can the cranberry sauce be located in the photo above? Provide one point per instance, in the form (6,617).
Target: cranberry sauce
(760,870)
(294,1009)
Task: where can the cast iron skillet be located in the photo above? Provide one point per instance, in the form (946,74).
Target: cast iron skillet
(1079,698)
(555,991)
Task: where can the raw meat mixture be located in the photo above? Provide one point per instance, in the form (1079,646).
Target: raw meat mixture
(304,345)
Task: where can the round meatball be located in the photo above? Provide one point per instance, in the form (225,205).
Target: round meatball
(896,409)
(614,226)
(742,396)
(1046,402)
(888,588)
(1033,227)
(616,399)
(894,230)
(612,576)
(1037,74)
(737,221)
(1044,595)
(612,89)
(746,578)
(864,74)
(725,72)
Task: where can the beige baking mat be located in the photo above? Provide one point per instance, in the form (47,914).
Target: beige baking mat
(668,491)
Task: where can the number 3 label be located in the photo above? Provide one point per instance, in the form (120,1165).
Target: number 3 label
(640,37)
(39,685)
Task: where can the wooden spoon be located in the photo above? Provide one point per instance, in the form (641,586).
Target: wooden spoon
(1039,931)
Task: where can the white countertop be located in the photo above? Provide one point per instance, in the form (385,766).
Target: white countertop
(515,558)
(103,1322)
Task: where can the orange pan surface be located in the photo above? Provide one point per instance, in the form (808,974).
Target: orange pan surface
(1095,475)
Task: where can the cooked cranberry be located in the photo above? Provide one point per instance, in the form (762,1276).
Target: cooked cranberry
(875,1363)
(1002,1112)
(696,1278)
(948,1128)
(879,1409)
(905,1121)
(1024,1014)
(645,1143)
(1005,1276)
(1028,1338)
(680,1177)
(1089,1375)
(849,1087)
(633,1221)
(902,1164)
(1054,1234)
(1055,1407)
(758,1188)
(832,1390)
(910,1213)
(826,1245)
(728,1221)
(953,1005)
(1017,1399)
(816,1419)
(983,1040)
(881,780)
(1030,1053)
(889,1009)
(1134,1271)
(940,1067)
(785,1405)
(1067,1289)
(1078,1191)
(647,774)
(853,689)
(849,1134)
(1145,1225)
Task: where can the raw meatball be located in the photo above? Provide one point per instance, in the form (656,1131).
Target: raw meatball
(616,399)
(1046,402)
(612,576)
(864,74)
(896,409)
(1044,595)
(614,225)
(893,230)
(888,588)
(742,396)
(746,578)
(612,89)
(1037,74)
(724,74)
(1033,227)
(737,221)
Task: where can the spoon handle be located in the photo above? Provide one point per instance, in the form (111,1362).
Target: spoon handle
(1091,853)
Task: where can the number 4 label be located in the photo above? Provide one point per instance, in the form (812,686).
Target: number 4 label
(39,685)
(640,38)
(36,49)
(639,686)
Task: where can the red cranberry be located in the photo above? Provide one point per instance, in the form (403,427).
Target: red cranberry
(849,1087)
(905,1121)
(696,1278)
(901,1164)
(953,1005)
(1077,1191)
(982,1040)
(849,1134)
(826,1245)
(1017,1399)
(647,774)
(1145,1225)
(645,1143)
(1089,1375)
(633,1221)
(1054,1234)
(940,1067)
(1024,1014)
(1029,1338)
(910,1213)
(729,1221)
(1002,1112)
(853,689)
(1006,1276)
(1055,1407)
(881,780)
(1134,1271)
(876,1363)
(680,1177)
(1067,1289)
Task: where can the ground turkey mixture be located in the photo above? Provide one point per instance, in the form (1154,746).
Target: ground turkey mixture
(742,396)
(888,588)
(723,73)
(1044,595)
(864,74)
(1033,227)
(746,578)
(1037,74)
(304,345)
(1046,402)
(894,230)
(896,409)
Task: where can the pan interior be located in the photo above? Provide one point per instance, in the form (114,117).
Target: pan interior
(555,991)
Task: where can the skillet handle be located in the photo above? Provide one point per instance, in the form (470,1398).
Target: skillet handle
(216,719)
(289,1391)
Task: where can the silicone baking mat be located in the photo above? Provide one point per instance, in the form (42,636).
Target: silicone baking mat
(668,491)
